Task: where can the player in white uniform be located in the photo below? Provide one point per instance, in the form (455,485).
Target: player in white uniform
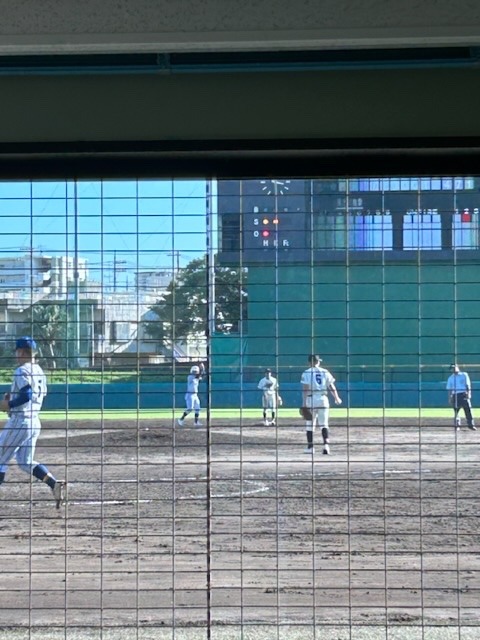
(316,384)
(192,401)
(23,403)
(269,388)
(459,390)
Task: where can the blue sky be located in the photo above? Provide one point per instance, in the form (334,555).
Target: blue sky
(138,225)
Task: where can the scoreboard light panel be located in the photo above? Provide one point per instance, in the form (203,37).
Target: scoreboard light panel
(269,230)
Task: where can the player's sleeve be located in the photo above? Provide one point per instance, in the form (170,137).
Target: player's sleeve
(329,379)
(22,397)
(260,384)
(21,379)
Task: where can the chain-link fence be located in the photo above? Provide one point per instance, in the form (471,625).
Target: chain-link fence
(196,502)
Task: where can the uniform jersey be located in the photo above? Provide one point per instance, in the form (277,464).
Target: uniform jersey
(29,374)
(459,382)
(192,383)
(317,380)
(269,386)
(192,401)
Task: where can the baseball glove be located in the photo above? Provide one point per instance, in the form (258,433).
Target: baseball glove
(306,413)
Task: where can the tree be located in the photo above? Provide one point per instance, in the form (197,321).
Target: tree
(47,323)
(183,308)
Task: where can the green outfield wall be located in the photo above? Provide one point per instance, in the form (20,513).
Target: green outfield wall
(411,315)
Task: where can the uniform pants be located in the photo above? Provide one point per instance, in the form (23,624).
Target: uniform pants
(19,438)
(320,417)
(462,401)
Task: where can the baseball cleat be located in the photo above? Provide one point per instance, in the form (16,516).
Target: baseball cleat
(198,424)
(59,493)
(309,450)
(326,449)
(265,423)
(180,422)
(472,427)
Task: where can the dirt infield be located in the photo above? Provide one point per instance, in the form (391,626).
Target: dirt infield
(235,532)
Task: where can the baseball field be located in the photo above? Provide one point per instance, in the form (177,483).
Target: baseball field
(231,531)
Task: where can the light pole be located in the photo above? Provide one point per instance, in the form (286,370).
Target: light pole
(76,277)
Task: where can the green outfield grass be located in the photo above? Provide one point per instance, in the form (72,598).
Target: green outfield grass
(166,414)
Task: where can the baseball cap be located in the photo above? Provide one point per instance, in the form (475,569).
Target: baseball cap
(26,343)
(268,370)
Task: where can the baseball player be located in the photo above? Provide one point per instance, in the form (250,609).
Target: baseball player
(316,384)
(23,403)
(192,401)
(459,394)
(268,385)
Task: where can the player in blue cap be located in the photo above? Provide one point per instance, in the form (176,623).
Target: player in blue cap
(23,403)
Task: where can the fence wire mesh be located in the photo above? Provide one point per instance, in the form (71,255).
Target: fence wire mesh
(199,504)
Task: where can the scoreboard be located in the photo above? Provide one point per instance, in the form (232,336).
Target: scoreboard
(264,218)
(270,220)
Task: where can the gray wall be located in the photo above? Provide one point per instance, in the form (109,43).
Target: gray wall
(323,104)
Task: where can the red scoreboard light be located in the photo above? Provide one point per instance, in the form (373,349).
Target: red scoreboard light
(265,233)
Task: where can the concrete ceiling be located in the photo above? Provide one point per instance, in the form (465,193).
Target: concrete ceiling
(115,26)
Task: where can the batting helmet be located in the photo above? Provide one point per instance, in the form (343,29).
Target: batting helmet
(26,343)
(195,369)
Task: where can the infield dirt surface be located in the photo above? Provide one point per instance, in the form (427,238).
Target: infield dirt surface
(233,530)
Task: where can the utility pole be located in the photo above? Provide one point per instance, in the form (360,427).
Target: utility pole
(117,268)
(175,254)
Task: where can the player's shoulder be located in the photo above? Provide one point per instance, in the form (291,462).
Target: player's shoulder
(23,369)
(29,369)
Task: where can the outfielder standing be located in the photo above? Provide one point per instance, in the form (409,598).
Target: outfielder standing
(268,385)
(459,394)
(192,401)
(20,433)
(316,384)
